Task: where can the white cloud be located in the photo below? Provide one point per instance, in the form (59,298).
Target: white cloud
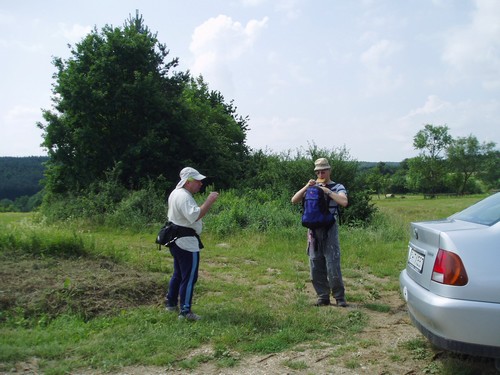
(432,105)
(434,111)
(220,41)
(223,38)
(463,117)
(378,52)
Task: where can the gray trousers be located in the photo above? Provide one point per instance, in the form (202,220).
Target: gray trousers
(323,248)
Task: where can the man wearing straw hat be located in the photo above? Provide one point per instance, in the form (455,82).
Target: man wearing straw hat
(323,246)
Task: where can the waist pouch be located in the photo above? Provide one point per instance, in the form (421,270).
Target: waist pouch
(178,231)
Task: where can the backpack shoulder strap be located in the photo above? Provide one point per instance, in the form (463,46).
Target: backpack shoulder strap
(332,185)
(338,208)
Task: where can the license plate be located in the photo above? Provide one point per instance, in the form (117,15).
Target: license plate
(416,260)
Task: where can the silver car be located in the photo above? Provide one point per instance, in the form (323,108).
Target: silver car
(451,283)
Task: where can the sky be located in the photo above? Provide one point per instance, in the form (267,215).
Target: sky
(364,75)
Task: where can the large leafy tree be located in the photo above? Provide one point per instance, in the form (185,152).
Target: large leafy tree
(468,157)
(491,173)
(113,102)
(120,110)
(427,171)
(379,178)
(214,135)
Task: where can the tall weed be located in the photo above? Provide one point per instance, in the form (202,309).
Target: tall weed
(253,210)
(42,242)
(138,209)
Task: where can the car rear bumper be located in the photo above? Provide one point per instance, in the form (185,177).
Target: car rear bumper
(461,326)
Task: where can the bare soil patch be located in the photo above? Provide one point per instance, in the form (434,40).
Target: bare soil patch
(54,286)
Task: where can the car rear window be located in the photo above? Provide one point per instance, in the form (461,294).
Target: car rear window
(486,211)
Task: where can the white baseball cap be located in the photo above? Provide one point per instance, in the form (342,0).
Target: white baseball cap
(188,173)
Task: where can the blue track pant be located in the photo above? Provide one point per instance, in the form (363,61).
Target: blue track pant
(181,286)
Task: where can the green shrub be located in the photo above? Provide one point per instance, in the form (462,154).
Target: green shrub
(238,210)
(260,202)
(138,209)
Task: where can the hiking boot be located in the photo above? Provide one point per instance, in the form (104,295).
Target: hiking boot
(341,302)
(172,308)
(191,316)
(322,302)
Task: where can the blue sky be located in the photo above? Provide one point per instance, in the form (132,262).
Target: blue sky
(366,75)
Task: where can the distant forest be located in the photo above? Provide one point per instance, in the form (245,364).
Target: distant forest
(21,176)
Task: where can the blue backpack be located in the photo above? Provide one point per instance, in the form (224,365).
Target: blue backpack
(316,213)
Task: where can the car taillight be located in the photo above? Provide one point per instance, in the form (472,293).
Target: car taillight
(449,269)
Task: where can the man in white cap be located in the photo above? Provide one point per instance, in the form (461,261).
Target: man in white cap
(323,245)
(186,215)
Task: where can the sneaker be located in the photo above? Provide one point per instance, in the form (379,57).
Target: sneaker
(341,303)
(172,308)
(191,316)
(322,302)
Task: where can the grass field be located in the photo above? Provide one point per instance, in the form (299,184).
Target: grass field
(77,297)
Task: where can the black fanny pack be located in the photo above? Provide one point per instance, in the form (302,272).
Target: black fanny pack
(171,232)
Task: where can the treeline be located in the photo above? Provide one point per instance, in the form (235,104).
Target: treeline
(20,182)
(445,165)
(21,176)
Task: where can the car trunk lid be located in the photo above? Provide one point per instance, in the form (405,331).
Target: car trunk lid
(424,244)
